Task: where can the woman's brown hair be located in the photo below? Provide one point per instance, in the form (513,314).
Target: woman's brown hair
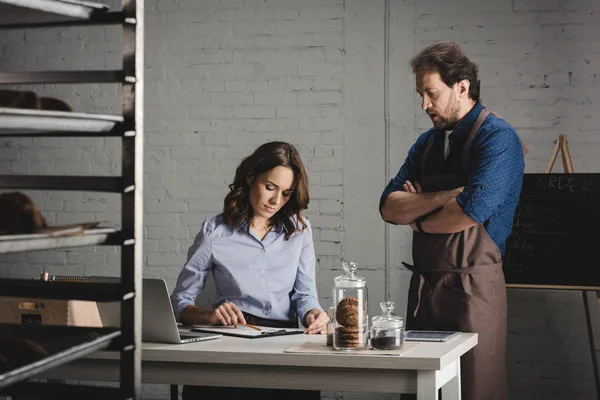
(237,208)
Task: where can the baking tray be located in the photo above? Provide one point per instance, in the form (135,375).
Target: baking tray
(61,343)
(45,241)
(69,8)
(28,120)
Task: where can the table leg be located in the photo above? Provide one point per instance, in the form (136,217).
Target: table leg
(451,390)
(427,385)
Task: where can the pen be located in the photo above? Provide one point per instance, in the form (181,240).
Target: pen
(252,326)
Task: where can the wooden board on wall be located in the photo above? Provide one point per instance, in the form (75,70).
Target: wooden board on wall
(555,241)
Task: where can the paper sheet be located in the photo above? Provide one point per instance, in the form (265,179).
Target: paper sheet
(319,346)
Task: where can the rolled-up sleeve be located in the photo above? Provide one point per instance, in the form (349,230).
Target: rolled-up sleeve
(305,288)
(192,278)
(495,164)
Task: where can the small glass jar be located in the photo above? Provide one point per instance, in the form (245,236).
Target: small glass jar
(350,325)
(387,329)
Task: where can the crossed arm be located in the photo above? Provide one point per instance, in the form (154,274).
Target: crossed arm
(440,211)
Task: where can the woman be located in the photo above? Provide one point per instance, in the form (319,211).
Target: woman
(261,255)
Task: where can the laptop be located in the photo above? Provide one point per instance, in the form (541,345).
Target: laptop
(158,320)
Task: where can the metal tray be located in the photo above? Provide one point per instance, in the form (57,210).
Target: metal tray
(44,241)
(63,344)
(27,120)
(69,8)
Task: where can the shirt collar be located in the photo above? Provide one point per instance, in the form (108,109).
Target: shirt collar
(277,228)
(466,123)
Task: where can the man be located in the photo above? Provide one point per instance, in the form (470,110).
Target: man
(458,190)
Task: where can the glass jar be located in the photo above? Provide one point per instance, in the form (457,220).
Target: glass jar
(350,325)
(331,315)
(387,329)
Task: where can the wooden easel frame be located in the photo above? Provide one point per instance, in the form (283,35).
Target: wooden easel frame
(562,146)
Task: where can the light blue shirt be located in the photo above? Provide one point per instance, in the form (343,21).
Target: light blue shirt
(272,278)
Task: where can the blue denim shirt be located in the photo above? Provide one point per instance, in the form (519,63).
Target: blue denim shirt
(496,168)
(271,278)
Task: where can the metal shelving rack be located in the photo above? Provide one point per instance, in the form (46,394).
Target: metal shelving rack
(128,126)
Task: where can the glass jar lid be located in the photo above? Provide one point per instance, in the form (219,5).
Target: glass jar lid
(387,320)
(350,279)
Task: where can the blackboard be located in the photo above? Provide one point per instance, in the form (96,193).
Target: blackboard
(555,239)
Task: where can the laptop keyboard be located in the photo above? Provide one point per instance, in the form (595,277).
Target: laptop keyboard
(192,335)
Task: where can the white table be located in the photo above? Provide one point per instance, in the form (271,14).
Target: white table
(230,361)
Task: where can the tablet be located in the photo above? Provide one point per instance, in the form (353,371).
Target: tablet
(431,336)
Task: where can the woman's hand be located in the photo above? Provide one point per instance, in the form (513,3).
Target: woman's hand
(227,314)
(316,322)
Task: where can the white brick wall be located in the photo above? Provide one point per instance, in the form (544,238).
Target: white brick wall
(225,76)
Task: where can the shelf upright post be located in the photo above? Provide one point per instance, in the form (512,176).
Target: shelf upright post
(132,197)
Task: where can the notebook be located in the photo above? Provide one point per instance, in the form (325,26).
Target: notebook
(158,320)
(246,332)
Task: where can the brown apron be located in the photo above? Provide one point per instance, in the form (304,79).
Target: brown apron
(458,284)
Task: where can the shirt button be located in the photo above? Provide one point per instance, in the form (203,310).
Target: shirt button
(482,187)
(263,250)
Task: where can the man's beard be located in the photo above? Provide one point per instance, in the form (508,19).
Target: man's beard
(449,119)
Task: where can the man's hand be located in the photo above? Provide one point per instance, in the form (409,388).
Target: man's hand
(408,187)
(227,314)
(316,321)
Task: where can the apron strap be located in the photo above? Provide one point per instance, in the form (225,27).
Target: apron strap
(422,281)
(483,114)
(426,152)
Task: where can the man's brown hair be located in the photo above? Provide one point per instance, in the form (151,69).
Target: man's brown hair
(448,60)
